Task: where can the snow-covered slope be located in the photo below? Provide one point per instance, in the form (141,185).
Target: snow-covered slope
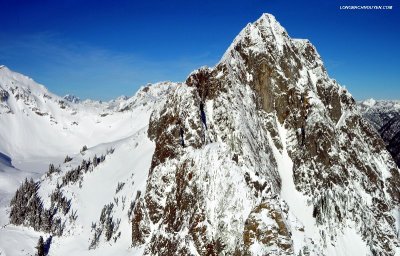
(263,154)
(384,115)
(37,124)
(10,178)
(39,128)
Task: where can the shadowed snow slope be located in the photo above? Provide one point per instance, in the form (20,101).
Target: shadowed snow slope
(263,154)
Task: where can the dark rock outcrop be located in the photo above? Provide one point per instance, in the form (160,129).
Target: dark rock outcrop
(226,139)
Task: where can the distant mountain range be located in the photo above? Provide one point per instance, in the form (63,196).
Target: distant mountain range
(384,115)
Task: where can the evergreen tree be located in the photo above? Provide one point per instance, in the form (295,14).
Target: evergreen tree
(95,161)
(67,159)
(51,168)
(47,220)
(84,148)
(40,247)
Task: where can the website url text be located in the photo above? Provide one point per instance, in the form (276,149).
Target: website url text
(366,7)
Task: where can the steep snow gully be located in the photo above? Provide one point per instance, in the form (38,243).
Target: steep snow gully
(263,154)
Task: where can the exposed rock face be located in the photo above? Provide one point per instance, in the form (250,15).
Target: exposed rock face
(233,139)
(385,117)
(3,95)
(272,234)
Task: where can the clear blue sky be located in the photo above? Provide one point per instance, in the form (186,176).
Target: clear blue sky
(102,49)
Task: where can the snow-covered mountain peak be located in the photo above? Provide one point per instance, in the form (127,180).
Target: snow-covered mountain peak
(268,24)
(265,43)
(148,94)
(264,33)
(381,105)
(10,79)
(72,98)
(260,140)
(19,93)
(369,102)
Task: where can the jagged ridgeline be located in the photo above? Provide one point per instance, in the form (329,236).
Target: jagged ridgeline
(263,154)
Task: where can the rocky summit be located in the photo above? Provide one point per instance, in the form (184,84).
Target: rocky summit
(263,154)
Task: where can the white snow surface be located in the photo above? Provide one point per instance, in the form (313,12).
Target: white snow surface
(31,141)
(38,124)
